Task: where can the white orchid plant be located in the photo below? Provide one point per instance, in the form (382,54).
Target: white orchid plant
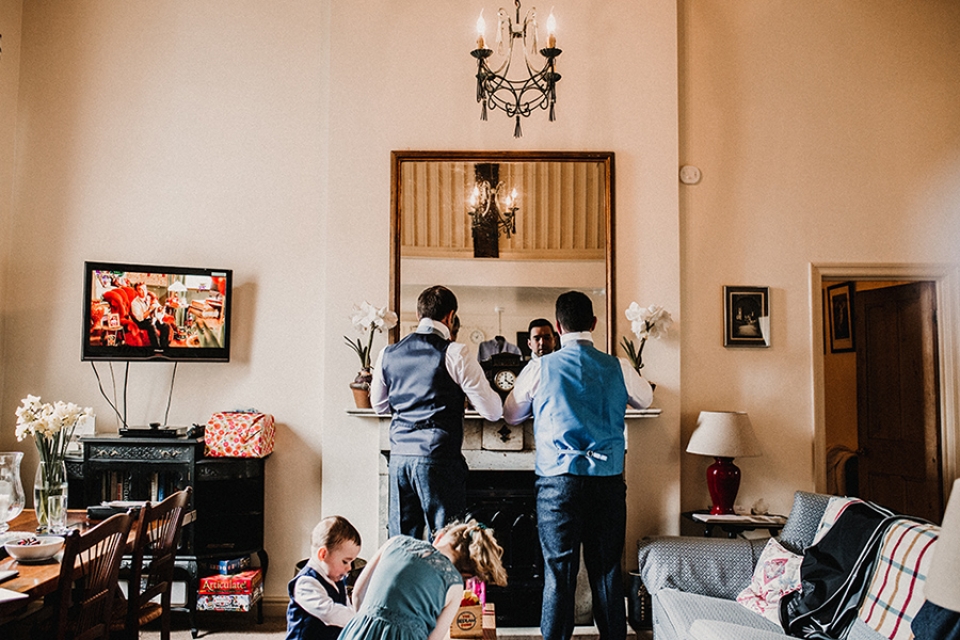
(369,320)
(649,322)
(51,425)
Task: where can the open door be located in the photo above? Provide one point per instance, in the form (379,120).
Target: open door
(898,418)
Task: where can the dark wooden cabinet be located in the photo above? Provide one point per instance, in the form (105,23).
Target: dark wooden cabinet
(227,502)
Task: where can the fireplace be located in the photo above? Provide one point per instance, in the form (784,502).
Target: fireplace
(506,502)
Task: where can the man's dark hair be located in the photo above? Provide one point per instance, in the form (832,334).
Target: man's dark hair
(540,322)
(574,311)
(436,302)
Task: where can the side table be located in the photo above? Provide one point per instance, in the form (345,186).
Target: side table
(734,525)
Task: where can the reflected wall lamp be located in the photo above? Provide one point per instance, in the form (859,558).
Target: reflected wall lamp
(724,435)
(532,88)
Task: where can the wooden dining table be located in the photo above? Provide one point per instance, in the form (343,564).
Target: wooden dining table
(35,579)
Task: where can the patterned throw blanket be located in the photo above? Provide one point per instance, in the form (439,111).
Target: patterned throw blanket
(836,576)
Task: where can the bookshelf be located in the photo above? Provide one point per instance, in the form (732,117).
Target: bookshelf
(227,501)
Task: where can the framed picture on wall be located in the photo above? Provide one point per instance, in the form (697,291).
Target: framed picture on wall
(746,316)
(840,314)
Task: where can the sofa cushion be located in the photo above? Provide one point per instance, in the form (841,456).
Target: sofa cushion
(895,594)
(801,525)
(719,567)
(777,573)
(675,611)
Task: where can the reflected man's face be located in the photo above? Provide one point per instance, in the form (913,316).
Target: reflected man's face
(542,341)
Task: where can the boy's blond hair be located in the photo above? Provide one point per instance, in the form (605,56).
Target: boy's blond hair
(331,532)
(478,553)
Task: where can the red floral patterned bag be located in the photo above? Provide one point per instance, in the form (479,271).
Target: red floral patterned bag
(239,434)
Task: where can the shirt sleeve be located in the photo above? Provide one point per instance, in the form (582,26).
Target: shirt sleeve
(639,391)
(519,404)
(468,373)
(314,599)
(379,398)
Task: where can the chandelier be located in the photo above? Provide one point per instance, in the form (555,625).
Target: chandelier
(520,96)
(489,213)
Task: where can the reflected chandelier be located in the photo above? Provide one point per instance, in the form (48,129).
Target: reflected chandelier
(485,209)
(517,97)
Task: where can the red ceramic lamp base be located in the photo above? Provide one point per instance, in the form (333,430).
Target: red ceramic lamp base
(723,481)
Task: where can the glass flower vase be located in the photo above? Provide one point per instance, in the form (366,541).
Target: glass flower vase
(11,489)
(51,482)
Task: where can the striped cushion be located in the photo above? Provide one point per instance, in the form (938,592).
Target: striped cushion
(896,589)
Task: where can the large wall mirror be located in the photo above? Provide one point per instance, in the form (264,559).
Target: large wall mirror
(507,232)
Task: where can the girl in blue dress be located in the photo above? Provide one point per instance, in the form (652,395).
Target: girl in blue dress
(411,589)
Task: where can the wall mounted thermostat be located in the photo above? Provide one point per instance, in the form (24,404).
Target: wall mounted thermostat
(689,174)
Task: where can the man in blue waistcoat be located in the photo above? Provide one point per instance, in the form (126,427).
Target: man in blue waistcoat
(578,397)
(423,381)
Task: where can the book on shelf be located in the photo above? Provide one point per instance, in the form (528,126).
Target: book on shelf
(736,518)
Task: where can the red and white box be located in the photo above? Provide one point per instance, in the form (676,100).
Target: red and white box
(237,434)
(243,583)
(229,601)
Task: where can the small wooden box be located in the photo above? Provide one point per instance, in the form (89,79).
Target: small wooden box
(468,623)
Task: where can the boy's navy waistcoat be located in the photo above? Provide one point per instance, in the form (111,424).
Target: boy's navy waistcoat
(427,404)
(303,626)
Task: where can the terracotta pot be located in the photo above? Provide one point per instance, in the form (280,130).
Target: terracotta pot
(361,397)
(361,388)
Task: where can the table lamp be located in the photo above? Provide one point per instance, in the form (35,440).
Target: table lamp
(725,435)
(943,586)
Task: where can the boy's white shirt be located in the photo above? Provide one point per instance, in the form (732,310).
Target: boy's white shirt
(314,599)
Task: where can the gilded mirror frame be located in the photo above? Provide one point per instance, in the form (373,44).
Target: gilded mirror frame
(603,158)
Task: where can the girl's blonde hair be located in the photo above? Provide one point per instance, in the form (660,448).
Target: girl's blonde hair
(477,551)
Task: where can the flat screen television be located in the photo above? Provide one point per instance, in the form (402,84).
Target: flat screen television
(149,312)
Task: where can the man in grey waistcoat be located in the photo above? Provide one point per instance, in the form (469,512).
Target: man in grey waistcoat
(423,381)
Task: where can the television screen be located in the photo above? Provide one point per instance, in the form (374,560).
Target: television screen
(141,312)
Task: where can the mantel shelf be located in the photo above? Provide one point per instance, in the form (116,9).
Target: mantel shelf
(632,414)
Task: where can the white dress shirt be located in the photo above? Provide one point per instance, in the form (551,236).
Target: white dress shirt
(465,372)
(314,599)
(519,404)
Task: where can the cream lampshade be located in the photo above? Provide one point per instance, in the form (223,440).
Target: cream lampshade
(943,585)
(725,435)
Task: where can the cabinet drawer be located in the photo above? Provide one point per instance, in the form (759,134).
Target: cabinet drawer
(138,453)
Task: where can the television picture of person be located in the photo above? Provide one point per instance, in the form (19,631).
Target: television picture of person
(165,313)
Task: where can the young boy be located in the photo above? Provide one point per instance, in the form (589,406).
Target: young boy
(318,606)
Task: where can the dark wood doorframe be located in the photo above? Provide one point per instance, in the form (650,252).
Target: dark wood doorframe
(947,280)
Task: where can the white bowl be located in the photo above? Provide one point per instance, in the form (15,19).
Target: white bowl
(49,546)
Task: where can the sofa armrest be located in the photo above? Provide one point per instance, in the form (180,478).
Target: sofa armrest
(717,567)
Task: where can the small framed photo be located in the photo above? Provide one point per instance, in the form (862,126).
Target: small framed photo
(840,314)
(746,316)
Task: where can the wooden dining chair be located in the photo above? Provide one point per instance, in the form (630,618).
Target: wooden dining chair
(151,567)
(89,572)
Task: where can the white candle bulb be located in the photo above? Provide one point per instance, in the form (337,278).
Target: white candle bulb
(551,31)
(481,27)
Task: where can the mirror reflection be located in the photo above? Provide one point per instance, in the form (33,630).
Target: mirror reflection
(508,232)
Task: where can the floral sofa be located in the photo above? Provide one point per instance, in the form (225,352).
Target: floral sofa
(729,589)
